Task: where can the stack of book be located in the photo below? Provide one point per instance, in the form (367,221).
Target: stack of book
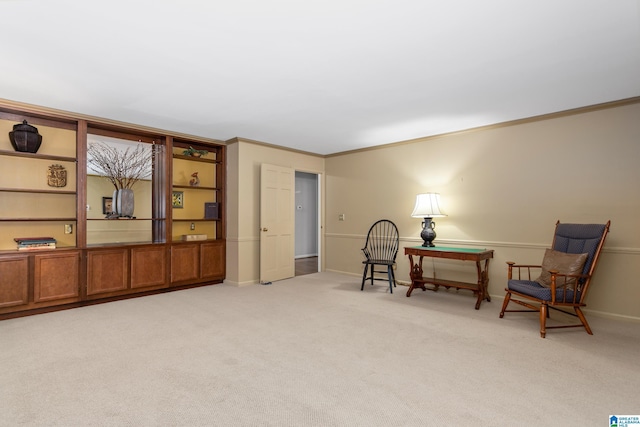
(31,243)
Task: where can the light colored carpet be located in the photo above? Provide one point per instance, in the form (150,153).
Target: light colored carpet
(312,351)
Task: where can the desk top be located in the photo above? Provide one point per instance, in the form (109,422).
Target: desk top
(448,252)
(448,249)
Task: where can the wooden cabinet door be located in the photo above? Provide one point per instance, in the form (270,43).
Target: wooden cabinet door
(212,260)
(148,267)
(14,283)
(56,276)
(184,262)
(107,271)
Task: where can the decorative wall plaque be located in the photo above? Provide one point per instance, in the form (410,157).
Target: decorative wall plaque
(57,176)
(177,199)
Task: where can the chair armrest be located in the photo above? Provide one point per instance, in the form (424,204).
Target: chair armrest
(519,267)
(514,265)
(561,280)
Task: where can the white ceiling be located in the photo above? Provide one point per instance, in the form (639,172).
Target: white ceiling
(322,76)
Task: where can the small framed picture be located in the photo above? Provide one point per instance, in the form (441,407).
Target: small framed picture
(177,199)
(107,205)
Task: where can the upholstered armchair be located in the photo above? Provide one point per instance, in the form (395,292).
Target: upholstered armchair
(564,276)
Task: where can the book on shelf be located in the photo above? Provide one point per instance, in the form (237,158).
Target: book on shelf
(36,246)
(193,237)
(27,240)
(31,243)
(211,210)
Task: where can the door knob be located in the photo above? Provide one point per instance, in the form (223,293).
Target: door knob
(265,229)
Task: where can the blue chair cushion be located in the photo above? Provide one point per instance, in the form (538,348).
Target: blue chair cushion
(536,290)
(579,239)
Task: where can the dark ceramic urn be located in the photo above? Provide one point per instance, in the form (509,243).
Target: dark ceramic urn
(25,138)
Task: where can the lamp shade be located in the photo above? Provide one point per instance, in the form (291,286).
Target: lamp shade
(427,206)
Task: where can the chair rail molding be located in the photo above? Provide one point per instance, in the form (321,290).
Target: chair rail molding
(413,241)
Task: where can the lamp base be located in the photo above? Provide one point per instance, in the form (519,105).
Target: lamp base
(428,234)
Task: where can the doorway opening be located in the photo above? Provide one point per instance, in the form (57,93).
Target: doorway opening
(307,219)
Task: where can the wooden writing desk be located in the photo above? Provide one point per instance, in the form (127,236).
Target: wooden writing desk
(463,254)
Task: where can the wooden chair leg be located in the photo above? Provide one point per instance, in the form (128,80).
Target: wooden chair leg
(373,272)
(364,276)
(583,320)
(390,274)
(507,298)
(543,319)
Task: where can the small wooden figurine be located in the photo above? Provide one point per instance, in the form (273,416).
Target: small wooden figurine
(195,181)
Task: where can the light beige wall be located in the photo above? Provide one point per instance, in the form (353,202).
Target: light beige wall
(243,202)
(231,212)
(503,188)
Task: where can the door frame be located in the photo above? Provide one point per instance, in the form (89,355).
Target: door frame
(318,230)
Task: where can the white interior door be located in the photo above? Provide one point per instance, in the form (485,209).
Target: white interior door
(277,223)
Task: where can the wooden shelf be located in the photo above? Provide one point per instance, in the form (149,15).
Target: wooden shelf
(198,187)
(37,156)
(31,190)
(447,283)
(124,244)
(195,219)
(182,241)
(32,219)
(37,251)
(126,219)
(196,159)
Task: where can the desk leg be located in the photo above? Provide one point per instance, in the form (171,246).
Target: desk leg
(483,283)
(415,273)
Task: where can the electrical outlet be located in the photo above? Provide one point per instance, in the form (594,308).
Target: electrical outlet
(193,226)
(341,217)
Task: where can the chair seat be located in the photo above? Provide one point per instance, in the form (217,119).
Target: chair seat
(379,261)
(536,290)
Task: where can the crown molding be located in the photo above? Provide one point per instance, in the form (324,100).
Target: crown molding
(99,122)
(542,117)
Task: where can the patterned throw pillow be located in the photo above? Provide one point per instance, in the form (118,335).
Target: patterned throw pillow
(562,262)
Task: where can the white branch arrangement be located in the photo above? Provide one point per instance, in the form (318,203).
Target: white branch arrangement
(123,168)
